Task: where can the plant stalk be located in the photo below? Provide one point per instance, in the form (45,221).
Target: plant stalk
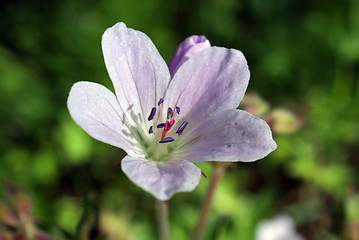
(217,174)
(162,220)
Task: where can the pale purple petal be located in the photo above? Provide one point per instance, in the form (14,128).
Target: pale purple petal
(214,79)
(232,135)
(96,110)
(188,48)
(138,72)
(162,179)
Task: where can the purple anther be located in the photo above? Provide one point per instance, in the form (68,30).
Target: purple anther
(152,114)
(150,130)
(161,125)
(169,113)
(166,140)
(160,101)
(178,110)
(181,128)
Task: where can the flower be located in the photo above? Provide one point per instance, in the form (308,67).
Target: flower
(279,228)
(166,124)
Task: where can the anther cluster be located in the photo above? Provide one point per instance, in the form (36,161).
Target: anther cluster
(166,135)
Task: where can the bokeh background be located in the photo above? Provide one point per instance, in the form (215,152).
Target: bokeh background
(303,56)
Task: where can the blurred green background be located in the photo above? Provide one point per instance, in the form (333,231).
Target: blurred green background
(303,56)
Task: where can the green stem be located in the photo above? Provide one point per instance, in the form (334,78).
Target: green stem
(162,220)
(218,172)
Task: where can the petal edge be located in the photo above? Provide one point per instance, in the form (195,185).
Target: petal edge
(162,179)
(96,110)
(232,135)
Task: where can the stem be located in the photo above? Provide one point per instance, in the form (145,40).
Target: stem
(162,220)
(218,172)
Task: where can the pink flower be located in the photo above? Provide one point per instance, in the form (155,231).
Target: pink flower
(166,124)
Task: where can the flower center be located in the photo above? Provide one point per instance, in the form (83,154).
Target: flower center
(163,132)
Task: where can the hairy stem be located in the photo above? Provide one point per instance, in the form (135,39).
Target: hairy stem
(162,220)
(217,174)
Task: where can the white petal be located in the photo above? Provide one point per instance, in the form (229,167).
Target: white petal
(162,179)
(96,110)
(214,79)
(231,135)
(138,72)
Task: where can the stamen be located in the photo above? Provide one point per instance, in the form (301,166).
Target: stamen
(181,128)
(152,114)
(167,126)
(160,101)
(169,113)
(166,140)
(178,110)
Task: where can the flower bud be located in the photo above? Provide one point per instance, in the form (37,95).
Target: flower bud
(255,104)
(189,47)
(283,121)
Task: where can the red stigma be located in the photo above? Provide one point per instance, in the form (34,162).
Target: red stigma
(204,175)
(168,126)
(163,134)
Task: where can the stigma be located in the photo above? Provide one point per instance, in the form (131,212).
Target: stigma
(165,129)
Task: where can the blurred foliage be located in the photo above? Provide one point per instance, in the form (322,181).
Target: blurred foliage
(303,56)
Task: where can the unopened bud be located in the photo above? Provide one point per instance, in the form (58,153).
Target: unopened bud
(283,121)
(254,104)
